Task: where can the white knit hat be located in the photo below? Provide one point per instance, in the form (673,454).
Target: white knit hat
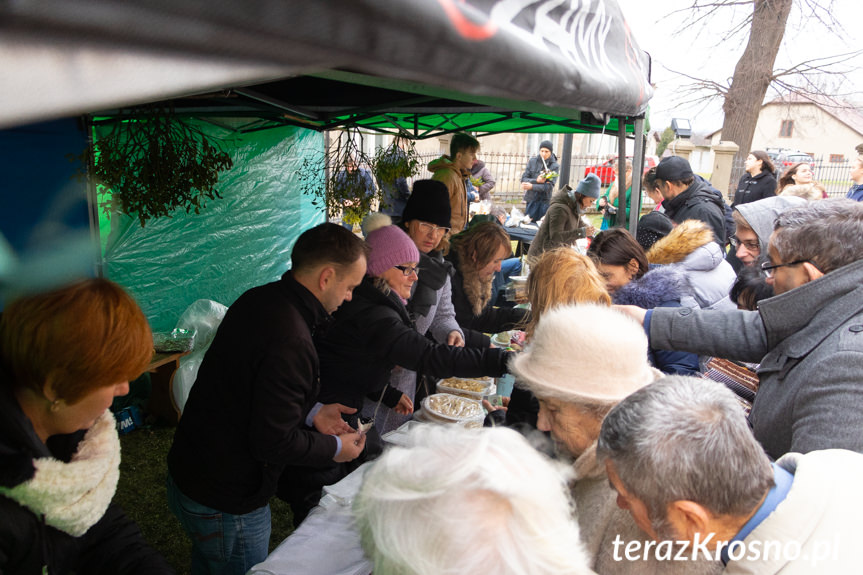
(585,353)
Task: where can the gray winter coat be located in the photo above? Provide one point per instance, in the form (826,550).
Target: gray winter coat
(810,345)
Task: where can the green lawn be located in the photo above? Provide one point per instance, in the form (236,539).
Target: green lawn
(141,493)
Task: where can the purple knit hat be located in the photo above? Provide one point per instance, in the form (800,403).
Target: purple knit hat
(390,246)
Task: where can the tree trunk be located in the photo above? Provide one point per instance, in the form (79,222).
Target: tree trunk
(752,76)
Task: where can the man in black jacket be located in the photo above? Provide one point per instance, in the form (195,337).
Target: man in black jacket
(687,197)
(252,409)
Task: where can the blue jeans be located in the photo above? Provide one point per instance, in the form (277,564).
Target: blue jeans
(222,543)
(508,267)
(536,209)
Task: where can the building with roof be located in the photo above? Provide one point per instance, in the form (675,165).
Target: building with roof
(825,128)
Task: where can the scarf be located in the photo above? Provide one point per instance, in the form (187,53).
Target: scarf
(74,496)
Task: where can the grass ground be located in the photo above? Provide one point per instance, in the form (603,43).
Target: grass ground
(141,494)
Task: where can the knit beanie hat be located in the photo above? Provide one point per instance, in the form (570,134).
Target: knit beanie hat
(589,186)
(546,144)
(390,246)
(429,202)
(585,353)
(652,227)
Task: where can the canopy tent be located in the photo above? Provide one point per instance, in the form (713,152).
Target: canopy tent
(520,65)
(414,68)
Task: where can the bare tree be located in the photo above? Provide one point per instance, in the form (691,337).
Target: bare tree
(743,95)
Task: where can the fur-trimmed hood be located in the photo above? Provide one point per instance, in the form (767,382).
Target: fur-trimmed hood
(657,286)
(691,244)
(680,242)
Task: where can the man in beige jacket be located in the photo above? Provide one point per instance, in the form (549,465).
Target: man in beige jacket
(453,170)
(684,463)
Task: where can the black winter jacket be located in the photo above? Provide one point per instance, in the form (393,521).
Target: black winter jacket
(245,416)
(697,202)
(491,320)
(27,544)
(754,188)
(372,334)
(539,192)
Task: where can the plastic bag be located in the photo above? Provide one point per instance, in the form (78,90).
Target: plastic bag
(515,217)
(204,316)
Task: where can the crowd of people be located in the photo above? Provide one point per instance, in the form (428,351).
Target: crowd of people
(629,442)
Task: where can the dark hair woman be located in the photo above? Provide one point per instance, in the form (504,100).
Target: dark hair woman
(758,182)
(621,261)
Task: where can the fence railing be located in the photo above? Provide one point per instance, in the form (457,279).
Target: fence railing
(834,176)
(507,169)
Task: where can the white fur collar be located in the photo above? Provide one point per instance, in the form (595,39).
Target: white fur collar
(74,496)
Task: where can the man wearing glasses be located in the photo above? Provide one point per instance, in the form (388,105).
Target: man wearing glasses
(808,338)
(755,224)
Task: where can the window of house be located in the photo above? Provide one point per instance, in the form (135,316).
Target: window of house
(837,158)
(787,129)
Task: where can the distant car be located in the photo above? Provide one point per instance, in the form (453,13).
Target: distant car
(605,170)
(784,158)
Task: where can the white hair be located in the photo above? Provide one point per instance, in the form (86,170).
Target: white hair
(468,501)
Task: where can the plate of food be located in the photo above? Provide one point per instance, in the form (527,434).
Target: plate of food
(452,408)
(502,339)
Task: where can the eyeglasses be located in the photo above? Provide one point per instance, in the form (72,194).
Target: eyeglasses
(768,268)
(751,245)
(433,229)
(408,270)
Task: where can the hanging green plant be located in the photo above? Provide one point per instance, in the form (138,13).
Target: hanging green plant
(338,180)
(155,163)
(398,160)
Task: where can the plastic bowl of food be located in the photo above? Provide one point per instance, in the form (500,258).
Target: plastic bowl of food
(470,388)
(448,408)
(502,339)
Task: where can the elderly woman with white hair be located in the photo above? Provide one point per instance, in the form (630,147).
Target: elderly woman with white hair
(455,500)
(581,361)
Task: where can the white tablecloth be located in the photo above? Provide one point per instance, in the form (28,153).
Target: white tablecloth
(327,543)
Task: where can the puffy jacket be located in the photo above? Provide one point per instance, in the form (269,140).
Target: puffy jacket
(28,542)
(753,188)
(540,192)
(660,287)
(372,334)
(690,248)
(698,202)
(443,170)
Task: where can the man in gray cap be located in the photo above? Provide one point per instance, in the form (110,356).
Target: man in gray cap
(538,181)
(687,197)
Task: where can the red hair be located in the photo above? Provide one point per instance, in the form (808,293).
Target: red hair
(78,338)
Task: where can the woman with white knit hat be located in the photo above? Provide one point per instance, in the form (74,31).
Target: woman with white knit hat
(581,361)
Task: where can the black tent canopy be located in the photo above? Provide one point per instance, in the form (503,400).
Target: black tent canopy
(417,68)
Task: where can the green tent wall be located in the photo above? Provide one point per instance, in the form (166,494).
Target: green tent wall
(239,241)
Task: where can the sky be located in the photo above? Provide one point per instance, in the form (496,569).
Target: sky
(675,45)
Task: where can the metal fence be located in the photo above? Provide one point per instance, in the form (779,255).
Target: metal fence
(507,169)
(834,176)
